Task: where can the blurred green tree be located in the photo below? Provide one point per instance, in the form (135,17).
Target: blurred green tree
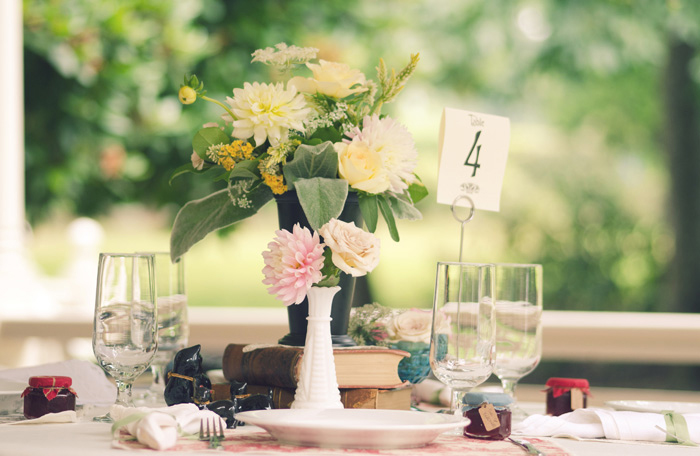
(103,125)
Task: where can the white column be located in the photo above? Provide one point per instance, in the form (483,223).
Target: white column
(20,291)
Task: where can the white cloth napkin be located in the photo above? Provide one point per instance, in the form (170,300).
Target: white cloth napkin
(433,392)
(158,428)
(89,380)
(593,423)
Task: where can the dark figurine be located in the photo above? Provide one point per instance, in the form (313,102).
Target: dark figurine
(248,402)
(238,388)
(185,377)
(201,396)
(224,408)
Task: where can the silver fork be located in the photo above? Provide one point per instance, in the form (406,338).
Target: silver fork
(527,446)
(210,433)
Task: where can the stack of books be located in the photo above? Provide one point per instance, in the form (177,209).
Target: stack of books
(367,376)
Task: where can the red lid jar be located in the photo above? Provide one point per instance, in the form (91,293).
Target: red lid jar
(565,395)
(48,394)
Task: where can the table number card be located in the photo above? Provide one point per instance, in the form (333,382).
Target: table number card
(473,152)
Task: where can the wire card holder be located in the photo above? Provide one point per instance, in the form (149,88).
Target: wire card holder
(462,221)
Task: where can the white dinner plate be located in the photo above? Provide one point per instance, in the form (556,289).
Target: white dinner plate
(353,428)
(654,406)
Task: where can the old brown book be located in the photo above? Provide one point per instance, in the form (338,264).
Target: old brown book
(363,398)
(355,367)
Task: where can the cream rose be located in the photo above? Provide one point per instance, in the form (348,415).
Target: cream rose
(362,167)
(332,79)
(354,251)
(413,325)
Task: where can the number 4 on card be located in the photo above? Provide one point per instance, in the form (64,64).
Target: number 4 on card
(475,164)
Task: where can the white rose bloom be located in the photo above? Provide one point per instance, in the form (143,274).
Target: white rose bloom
(332,79)
(354,251)
(413,325)
(362,167)
(266,111)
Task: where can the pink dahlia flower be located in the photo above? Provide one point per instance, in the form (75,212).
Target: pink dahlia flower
(293,264)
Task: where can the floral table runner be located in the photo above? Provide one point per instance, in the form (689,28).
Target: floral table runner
(244,441)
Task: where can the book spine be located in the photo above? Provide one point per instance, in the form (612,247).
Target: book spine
(362,398)
(274,366)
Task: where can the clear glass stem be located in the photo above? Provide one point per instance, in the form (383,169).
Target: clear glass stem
(509,385)
(124,394)
(456,401)
(158,383)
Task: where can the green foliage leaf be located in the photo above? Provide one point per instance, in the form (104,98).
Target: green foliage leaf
(404,209)
(417,190)
(247,169)
(389,217)
(322,199)
(328,134)
(198,218)
(312,161)
(370,212)
(223,177)
(207,137)
(184,169)
(331,273)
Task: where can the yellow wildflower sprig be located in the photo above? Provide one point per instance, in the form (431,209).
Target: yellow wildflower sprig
(227,155)
(192,89)
(393,84)
(271,173)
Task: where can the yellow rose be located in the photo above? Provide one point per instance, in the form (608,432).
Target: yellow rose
(332,79)
(187,95)
(361,167)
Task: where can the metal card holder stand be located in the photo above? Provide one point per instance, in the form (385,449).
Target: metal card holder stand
(462,221)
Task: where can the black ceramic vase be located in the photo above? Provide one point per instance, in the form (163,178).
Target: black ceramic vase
(289,213)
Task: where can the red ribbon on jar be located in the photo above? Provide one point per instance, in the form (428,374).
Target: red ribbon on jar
(50,385)
(560,386)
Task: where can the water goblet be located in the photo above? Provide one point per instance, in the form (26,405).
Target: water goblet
(462,339)
(173,326)
(124,337)
(518,325)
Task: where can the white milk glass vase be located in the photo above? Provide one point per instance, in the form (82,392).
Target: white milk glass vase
(318,386)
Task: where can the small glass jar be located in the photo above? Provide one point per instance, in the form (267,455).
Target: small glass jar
(489,415)
(565,395)
(48,394)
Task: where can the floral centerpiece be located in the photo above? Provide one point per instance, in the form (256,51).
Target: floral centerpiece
(321,135)
(298,264)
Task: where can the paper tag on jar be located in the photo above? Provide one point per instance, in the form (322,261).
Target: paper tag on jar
(576,398)
(489,417)
(473,150)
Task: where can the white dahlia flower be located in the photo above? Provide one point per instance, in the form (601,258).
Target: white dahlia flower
(266,111)
(394,144)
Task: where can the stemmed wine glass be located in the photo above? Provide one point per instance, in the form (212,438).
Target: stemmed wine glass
(462,338)
(518,325)
(173,327)
(124,337)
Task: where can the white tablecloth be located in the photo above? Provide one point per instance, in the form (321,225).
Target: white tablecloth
(88,438)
